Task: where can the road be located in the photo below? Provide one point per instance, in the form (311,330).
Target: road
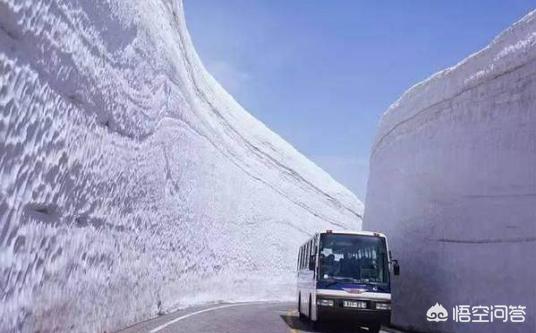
(240,318)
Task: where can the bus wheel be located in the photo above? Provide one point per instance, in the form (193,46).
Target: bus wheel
(300,314)
(310,309)
(375,328)
(309,313)
(314,323)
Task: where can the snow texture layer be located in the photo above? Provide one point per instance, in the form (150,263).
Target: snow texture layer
(131,183)
(453,184)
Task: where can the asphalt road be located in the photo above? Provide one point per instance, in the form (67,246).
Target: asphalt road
(240,318)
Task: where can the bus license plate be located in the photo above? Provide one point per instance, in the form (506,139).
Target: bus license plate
(354,304)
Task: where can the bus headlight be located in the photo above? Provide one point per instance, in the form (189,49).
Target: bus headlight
(383,306)
(324,302)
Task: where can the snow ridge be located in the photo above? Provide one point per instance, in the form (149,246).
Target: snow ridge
(131,183)
(453,184)
(514,46)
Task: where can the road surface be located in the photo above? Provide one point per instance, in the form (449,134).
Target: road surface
(240,318)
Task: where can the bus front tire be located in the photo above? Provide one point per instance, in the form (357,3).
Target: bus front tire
(300,314)
(375,328)
(313,322)
(310,308)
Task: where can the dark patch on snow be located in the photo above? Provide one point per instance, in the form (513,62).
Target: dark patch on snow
(46,213)
(8,23)
(84,221)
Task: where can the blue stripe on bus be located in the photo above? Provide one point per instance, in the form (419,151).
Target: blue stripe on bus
(345,285)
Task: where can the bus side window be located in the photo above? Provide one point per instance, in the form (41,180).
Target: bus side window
(300,258)
(304,252)
(298,261)
(305,255)
(309,253)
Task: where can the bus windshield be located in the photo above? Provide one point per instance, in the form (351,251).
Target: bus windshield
(353,258)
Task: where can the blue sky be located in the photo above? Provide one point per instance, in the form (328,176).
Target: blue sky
(321,73)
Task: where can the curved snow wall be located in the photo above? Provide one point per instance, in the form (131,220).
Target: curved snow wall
(131,183)
(453,185)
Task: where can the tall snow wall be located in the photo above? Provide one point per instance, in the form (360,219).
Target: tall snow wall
(131,183)
(453,184)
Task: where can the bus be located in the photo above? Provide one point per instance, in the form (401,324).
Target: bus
(346,274)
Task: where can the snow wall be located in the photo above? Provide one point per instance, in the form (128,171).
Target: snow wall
(453,184)
(131,182)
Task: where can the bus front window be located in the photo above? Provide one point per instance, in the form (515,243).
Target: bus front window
(354,259)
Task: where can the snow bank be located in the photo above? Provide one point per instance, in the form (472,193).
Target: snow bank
(453,184)
(131,183)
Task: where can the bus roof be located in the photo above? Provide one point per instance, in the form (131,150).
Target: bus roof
(360,233)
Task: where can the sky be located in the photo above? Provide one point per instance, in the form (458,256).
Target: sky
(321,73)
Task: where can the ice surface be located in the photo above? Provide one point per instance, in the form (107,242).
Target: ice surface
(453,184)
(131,183)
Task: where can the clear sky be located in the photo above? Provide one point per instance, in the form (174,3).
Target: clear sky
(321,73)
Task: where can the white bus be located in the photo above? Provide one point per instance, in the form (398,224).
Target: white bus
(346,274)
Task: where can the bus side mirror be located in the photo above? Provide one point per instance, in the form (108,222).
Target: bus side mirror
(396,267)
(312,263)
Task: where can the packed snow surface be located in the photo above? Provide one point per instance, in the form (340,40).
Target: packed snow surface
(453,184)
(131,183)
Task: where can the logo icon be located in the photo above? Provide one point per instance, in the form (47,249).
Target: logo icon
(355,290)
(437,313)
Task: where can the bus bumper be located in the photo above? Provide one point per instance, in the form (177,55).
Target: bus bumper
(365,316)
